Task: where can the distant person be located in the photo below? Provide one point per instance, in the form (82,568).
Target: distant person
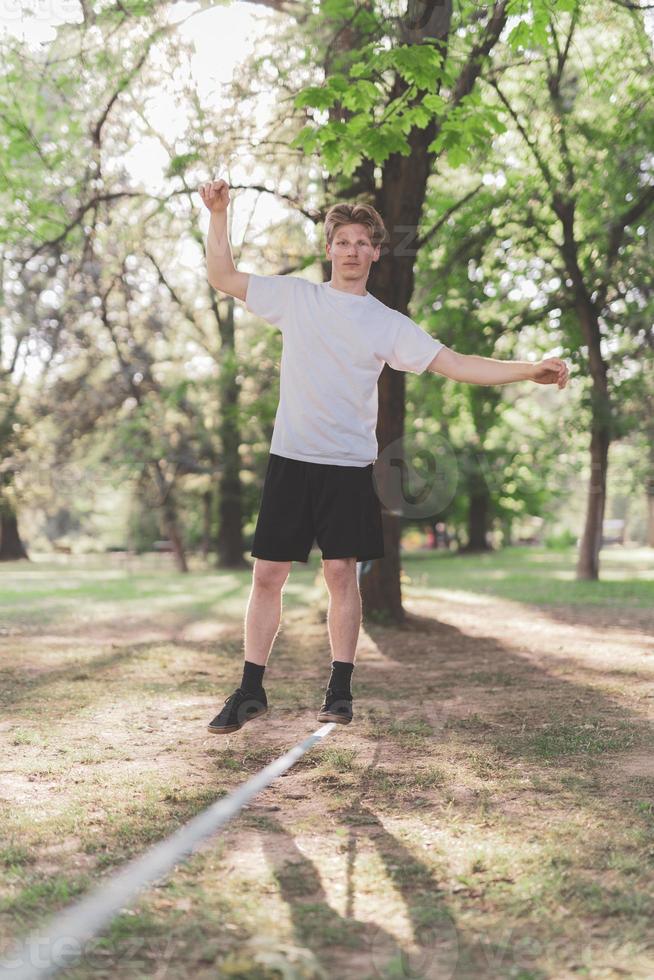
(319,477)
(442,536)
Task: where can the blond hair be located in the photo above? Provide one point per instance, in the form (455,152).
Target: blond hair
(355,214)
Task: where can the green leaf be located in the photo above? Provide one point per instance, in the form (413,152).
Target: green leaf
(306,139)
(378,144)
(416,63)
(361,96)
(338,84)
(357,124)
(316,97)
(434,103)
(496,123)
(520,35)
(359,69)
(539,30)
(457,155)
(417,116)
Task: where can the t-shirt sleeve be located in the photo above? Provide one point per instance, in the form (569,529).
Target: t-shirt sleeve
(272,297)
(413,348)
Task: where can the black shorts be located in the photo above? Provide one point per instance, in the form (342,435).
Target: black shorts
(303,502)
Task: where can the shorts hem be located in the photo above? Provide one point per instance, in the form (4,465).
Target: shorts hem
(276,558)
(358,557)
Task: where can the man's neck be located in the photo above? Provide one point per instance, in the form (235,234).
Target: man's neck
(355,288)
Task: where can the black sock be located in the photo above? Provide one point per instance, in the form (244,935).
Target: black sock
(252,677)
(341,674)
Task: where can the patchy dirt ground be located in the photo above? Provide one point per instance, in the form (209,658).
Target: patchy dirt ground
(488,813)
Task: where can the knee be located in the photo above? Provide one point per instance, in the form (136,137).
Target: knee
(270,574)
(340,573)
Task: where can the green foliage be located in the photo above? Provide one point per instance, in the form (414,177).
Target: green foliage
(181,163)
(371,125)
(560,542)
(344,143)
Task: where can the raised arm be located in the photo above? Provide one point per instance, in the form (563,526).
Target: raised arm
(478,370)
(221,271)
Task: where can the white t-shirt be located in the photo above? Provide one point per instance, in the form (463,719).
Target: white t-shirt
(334,348)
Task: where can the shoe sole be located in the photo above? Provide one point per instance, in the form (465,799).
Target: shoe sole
(228,729)
(339,719)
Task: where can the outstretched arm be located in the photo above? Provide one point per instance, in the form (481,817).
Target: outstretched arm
(477,370)
(221,271)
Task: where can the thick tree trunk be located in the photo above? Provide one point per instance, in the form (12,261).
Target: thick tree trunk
(399,201)
(11,546)
(230,544)
(381,594)
(591,541)
(483,402)
(601,410)
(600,440)
(478,514)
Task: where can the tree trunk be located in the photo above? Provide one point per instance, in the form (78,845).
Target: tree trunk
(170,522)
(171,528)
(381,593)
(591,542)
(507,531)
(600,440)
(11,546)
(399,201)
(230,544)
(207,504)
(478,514)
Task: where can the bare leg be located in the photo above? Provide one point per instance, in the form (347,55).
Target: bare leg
(264,611)
(344,612)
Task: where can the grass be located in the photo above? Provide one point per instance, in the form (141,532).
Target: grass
(537,576)
(506,831)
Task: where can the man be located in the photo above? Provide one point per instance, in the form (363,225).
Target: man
(319,479)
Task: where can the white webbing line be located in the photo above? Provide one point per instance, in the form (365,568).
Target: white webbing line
(44,953)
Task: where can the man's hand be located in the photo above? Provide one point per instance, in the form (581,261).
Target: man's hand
(215,195)
(551,371)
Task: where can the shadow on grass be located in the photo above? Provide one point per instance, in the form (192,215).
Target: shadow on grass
(482,702)
(346,945)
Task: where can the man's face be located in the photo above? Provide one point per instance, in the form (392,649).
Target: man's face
(352,253)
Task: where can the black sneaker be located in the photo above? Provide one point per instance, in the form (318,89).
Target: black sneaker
(337,707)
(240,707)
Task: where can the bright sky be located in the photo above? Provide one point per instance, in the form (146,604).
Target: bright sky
(223,37)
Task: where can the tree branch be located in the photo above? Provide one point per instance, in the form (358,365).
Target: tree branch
(540,162)
(446,216)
